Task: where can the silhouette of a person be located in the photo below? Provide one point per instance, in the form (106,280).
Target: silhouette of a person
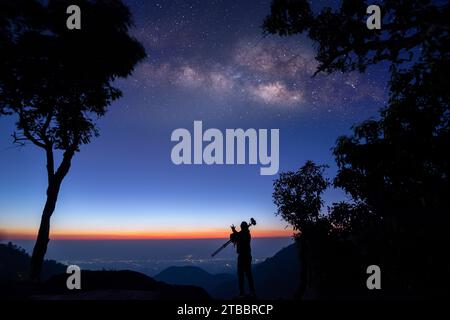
(242,240)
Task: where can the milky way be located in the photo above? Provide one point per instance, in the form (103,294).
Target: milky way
(213,48)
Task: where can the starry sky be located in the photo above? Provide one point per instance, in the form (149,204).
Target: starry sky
(209,61)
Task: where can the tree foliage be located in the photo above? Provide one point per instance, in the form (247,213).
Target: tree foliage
(345,44)
(396,167)
(298,195)
(57,82)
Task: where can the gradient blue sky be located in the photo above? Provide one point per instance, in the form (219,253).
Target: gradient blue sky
(207,60)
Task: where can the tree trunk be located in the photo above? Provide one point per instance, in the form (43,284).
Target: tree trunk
(54,183)
(40,247)
(303,267)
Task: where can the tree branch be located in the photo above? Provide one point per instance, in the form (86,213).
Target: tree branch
(43,131)
(30,137)
(26,132)
(64,167)
(394,47)
(27,137)
(18,140)
(50,164)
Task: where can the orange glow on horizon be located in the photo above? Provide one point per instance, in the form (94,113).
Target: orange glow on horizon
(25,234)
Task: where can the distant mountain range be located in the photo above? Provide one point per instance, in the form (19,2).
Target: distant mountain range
(95,285)
(275,278)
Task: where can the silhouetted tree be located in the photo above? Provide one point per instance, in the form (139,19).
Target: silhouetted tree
(298,197)
(332,243)
(397,166)
(345,44)
(58,82)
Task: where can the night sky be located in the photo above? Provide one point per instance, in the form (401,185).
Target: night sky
(209,61)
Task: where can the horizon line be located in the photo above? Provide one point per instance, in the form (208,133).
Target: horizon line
(132,239)
(121,235)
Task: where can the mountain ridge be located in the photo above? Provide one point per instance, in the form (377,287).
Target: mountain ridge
(276,277)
